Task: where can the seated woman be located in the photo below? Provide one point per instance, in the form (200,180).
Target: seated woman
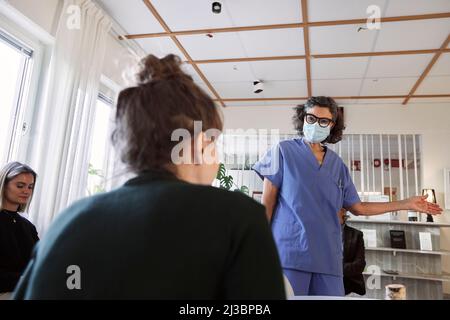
(17,235)
(166,234)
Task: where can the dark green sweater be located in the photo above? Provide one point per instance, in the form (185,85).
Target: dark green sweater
(157,238)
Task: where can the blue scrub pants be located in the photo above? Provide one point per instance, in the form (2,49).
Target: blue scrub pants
(315,284)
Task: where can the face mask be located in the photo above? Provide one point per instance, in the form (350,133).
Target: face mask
(314,133)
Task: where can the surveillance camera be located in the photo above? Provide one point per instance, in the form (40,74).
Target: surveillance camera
(217,7)
(258,86)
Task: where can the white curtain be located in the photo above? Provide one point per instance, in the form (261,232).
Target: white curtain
(61,150)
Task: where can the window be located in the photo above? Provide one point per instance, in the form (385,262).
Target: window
(99,161)
(14,81)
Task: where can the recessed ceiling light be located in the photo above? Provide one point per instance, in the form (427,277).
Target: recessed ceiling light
(216,7)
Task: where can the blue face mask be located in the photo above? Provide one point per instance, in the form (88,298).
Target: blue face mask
(314,133)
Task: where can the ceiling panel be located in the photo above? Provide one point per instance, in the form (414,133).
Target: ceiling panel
(160,47)
(413,7)
(341,39)
(328,10)
(429,100)
(336,88)
(275,89)
(442,66)
(277,42)
(220,46)
(192,14)
(398,66)
(257,12)
(227,72)
(435,85)
(413,35)
(339,68)
(387,86)
(279,70)
(197,14)
(291,103)
(206,89)
(246,103)
(132,15)
(236,90)
(191,71)
(344,102)
(380,101)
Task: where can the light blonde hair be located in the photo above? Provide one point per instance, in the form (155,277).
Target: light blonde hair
(9,172)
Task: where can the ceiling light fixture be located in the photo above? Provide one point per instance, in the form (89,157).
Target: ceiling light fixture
(216,7)
(361,28)
(258,86)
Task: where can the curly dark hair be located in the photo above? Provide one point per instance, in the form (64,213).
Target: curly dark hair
(164,100)
(324,102)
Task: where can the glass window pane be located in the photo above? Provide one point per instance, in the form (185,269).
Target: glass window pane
(11,66)
(99,148)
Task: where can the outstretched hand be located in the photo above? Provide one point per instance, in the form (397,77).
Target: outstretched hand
(420,204)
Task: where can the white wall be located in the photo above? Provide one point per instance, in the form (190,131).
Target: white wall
(430,120)
(42,12)
(119,64)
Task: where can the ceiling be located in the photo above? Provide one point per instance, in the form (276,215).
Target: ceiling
(299,48)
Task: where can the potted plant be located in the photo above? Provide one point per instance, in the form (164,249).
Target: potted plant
(227,182)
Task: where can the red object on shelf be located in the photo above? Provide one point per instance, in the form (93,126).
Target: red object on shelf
(395,163)
(356,166)
(376,163)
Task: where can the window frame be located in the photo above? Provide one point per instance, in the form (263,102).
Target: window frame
(32,91)
(108,97)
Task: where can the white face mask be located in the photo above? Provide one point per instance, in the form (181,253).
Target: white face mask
(314,133)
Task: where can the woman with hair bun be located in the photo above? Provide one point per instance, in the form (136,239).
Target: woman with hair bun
(166,234)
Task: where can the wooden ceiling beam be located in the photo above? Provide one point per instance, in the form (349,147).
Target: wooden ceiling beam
(321,56)
(284,26)
(337,98)
(304,4)
(427,69)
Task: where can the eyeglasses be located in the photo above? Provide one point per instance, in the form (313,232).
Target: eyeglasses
(323,122)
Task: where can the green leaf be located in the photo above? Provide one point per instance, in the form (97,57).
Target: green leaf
(244,189)
(221,172)
(226,182)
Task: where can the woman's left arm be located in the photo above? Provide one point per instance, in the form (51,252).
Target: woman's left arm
(417,203)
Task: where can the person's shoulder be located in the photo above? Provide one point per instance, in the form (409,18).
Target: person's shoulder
(230,198)
(27,222)
(293,145)
(235,203)
(290,143)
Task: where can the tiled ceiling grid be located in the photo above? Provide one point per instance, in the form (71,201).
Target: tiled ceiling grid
(300,48)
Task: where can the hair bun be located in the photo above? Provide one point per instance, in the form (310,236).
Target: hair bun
(154,68)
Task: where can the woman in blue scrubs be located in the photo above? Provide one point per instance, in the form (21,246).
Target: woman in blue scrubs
(305,185)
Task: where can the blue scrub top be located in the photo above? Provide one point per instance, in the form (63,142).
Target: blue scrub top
(305,222)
